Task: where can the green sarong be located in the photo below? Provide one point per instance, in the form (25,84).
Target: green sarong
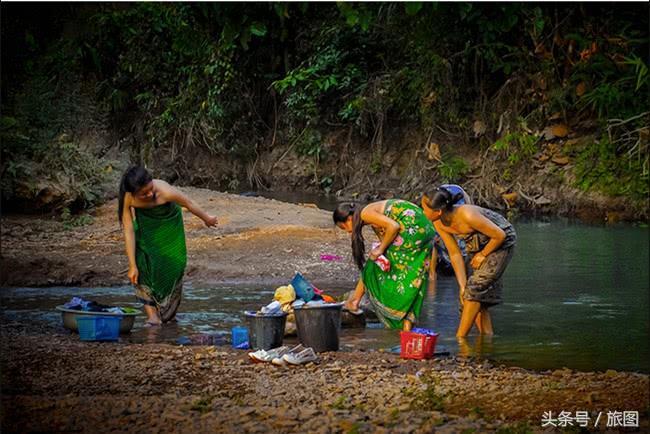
(397,294)
(160,250)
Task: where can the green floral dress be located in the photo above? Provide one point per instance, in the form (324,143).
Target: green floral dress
(397,294)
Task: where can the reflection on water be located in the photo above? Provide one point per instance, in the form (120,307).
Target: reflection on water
(574,295)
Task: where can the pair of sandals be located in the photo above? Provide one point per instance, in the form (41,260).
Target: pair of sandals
(283,356)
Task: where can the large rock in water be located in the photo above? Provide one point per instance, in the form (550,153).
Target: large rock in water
(351,321)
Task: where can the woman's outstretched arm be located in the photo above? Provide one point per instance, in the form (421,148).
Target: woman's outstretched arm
(174,195)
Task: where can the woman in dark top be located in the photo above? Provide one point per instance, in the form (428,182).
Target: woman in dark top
(489,240)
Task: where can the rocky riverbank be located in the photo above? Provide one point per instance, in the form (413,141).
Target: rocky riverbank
(53,382)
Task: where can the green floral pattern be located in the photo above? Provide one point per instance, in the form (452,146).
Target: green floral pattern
(398,293)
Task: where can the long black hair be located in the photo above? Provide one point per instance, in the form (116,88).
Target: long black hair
(442,199)
(133,180)
(341,214)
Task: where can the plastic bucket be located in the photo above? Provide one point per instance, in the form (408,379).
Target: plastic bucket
(265,331)
(99,328)
(319,326)
(240,338)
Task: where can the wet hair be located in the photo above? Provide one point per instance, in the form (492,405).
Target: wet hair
(342,212)
(442,199)
(133,180)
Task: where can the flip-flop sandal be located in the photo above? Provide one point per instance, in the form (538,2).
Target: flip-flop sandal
(152,324)
(305,356)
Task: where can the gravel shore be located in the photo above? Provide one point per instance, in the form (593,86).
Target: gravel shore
(52,382)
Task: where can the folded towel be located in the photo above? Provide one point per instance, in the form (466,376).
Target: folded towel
(272,308)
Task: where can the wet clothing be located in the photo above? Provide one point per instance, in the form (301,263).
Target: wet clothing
(78,303)
(161,256)
(397,294)
(474,242)
(484,284)
(167,307)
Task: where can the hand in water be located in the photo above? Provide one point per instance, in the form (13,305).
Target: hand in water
(477,260)
(133,275)
(375,253)
(211,221)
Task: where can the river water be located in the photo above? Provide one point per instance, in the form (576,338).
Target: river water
(575,296)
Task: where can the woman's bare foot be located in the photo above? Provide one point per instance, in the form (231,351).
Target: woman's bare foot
(351,305)
(463,346)
(153,317)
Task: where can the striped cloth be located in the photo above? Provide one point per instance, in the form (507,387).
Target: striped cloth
(160,249)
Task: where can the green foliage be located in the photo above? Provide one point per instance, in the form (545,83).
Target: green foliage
(326,184)
(426,397)
(376,163)
(341,403)
(74,174)
(355,428)
(224,78)
(517,147)
(187,69)
(310,84)
(40,155)
(202,405)
(412,8)
(360,15)
(477,412)
(453,169)
(601,166)
(352,109)
(614,74)
(640,71)
(310,143)
(70,221)
(616,87)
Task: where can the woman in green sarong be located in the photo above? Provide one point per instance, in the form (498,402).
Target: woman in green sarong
(406,237)
(150,213)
